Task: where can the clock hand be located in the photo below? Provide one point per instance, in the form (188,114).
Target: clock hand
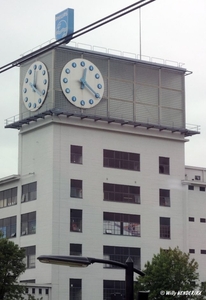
(91,89)
(83,79)
(35,89)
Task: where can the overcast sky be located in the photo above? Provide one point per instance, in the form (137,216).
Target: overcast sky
(171,30)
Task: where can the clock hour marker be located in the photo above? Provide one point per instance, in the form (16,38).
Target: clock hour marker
(99,86)
(35,66)
(67,90)
(26,80)
(45,81)
(82,102)
(67,70)
(26,99)
(43,72)
(40,67)
(97,76)
(91,101)
(74,98)
(25,90)
(91,68)
(65,80)
(30,71)
(82,63)
(39,100)
(74,65)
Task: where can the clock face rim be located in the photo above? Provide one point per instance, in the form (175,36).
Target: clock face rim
(31,99)
(70,77)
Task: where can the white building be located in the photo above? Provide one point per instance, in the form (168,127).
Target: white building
(101,170)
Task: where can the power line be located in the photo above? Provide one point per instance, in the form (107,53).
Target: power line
(77,33)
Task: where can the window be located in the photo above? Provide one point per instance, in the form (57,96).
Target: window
(76,154)
(191,187)
(75,291)
(121,193)
(191,250)
(164,165)
(8,197)
(29,192)
(164,228)
(191,219)
(121,254)
(76,249)
(76,220)
(121,224)
(30,259)
(76,188)
(121,160)
(164,197)
(202,220)
(8,227)
(28,223)
(202,189)
(203,251)
(112,287)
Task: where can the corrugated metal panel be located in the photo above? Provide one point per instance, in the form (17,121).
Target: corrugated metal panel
(172,117)
(146,94)
(147,113)
(147,75)
(172,79)
(121,109)
(121,90)
(171,99)
(121,70)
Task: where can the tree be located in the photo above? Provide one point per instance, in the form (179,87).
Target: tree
(169,271)
(11,267)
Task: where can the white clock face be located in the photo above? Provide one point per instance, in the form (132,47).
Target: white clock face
(35,86)
(82,83)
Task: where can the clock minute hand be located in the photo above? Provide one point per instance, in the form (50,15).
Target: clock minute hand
(91,89)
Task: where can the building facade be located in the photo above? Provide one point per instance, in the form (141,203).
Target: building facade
(101,170)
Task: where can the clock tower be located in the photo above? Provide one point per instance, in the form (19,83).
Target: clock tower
(101,137)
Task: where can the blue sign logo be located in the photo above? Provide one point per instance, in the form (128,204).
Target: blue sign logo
(64,23)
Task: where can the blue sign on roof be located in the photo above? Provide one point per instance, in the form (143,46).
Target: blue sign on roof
(64,23)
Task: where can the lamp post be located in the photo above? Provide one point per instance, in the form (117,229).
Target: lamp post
(80,261)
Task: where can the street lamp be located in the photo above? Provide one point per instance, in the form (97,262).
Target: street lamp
(80,261)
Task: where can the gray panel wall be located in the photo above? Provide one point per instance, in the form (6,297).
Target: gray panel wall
(134,90)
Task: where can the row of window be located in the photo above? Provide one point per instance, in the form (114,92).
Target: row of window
(9,197)
(192,219)
(113,223)
(119,160)
(111,192)
(28,225)
(201,188)
(119,193)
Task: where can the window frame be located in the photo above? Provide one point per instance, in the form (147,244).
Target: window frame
(121,193)
(76,188)
(164,165)
(8,226)
(164,197)
(76,217)
(165,229)
(121,224)
(28,223)
(76,156)
(121,160)
(29,192)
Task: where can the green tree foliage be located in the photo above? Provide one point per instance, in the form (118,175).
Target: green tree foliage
(170,270)
(11,267)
